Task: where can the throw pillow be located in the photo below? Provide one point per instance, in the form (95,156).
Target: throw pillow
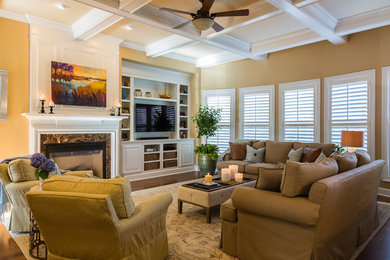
(295,155)
(269,179)
(259,144)
(254,155)
(118,189)
(362,157)
(298,177)
(277,151)
(310,154)
(238,151)
(319,158)
(346,161)
(21,170)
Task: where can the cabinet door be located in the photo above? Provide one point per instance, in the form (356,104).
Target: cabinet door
(132,158)
(187,154)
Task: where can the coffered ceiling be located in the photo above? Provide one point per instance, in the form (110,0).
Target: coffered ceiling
(272,25)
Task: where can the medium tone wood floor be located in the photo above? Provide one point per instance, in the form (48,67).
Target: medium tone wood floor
(378,248)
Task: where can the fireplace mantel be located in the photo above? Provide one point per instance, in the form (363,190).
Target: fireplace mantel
(63,124)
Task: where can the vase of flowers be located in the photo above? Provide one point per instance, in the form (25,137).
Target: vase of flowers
(43,166)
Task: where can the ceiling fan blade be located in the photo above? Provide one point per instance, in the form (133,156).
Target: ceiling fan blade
(206,5)
(176,11)
(244,12)
(217,27)
(182,25)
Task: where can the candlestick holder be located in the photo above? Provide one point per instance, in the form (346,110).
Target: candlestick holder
(42,106)
(118,113)
(51,109)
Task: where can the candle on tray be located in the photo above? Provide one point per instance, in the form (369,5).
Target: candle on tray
(238,177)
(233,170)
(208,178)
(225,174)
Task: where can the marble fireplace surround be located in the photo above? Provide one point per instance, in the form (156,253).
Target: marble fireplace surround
(53,128)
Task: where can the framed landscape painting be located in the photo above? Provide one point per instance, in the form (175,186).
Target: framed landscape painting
(78,85)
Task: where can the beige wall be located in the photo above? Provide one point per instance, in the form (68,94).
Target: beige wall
(14,57)
(365,50)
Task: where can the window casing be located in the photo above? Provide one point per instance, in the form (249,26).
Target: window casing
(350,105)
(225,100)
(256,112)
(299,111)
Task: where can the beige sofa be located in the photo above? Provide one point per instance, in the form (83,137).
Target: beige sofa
(339,214)
(274,152)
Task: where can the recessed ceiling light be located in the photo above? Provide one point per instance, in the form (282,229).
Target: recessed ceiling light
(129,27)
(61,5)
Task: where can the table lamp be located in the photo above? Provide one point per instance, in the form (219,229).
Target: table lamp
(352,139)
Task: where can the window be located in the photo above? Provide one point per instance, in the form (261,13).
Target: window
(349,105)
(225,100)
(256,118)
(299,112)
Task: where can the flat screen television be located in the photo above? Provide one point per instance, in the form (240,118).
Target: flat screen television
(154,118)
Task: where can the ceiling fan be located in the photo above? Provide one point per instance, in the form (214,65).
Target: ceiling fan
(203,20)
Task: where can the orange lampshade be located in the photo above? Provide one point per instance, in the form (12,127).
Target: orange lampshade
(352,138)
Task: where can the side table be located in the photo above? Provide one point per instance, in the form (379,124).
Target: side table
(36,239)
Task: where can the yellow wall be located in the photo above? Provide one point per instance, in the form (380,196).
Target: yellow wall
(365,50)
(14,57)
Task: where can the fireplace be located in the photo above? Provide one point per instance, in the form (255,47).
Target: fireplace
(79,156)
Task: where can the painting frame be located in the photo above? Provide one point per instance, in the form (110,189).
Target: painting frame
(77,85)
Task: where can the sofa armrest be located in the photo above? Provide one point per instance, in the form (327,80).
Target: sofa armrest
(4,177)
(228,211)
(298,210)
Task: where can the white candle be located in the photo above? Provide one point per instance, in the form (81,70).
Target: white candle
(51,104)
(238,177)
(225,174)
(233,170)
(119,105)
(42,98)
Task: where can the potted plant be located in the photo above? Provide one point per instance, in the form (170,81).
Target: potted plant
(206,121)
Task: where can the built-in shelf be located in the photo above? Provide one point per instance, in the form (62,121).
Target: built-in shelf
(152,152)
(156,99)
(170,151)
(126,129)
(183,128)
(125,114)
(172,159)
(125,101)
(183,105)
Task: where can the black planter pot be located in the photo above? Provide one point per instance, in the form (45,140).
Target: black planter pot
(206,164)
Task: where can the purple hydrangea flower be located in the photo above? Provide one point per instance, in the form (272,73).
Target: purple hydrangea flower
(48,166)
(38,159)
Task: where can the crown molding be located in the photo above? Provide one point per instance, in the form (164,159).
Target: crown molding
(13,16)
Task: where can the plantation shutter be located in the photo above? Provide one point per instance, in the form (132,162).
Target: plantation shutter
(300,111)
(349,109)
(256,112)
(224,100)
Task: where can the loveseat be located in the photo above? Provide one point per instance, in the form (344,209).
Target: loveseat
(327,218)
(275,156)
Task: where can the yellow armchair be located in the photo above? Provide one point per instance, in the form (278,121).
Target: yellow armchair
(86,226)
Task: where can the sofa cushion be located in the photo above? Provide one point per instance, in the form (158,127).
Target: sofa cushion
(295,155)
(225,164)
(253,168)
(254,155)
(21,170)
(327,149)
(362,157)
(298,177)
(259,144)
(277,151)
(238,150)
(346,161)
(118,188)
(269,179)
(310,154)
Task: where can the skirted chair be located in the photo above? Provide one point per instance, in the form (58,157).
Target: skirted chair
(83,218)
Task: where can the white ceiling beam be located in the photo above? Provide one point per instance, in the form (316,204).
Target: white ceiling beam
(92,23)
(96,20)
(167,45)
(220,58)
(258,11)
(310,19)
(152,16)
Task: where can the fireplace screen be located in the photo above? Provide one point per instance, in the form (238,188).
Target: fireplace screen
(79,156)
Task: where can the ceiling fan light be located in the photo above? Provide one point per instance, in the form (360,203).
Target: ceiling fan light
(203,23)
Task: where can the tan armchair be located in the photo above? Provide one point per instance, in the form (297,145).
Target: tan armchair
(338,215)
(86,226)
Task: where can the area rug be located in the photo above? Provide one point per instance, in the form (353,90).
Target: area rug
(189,236)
